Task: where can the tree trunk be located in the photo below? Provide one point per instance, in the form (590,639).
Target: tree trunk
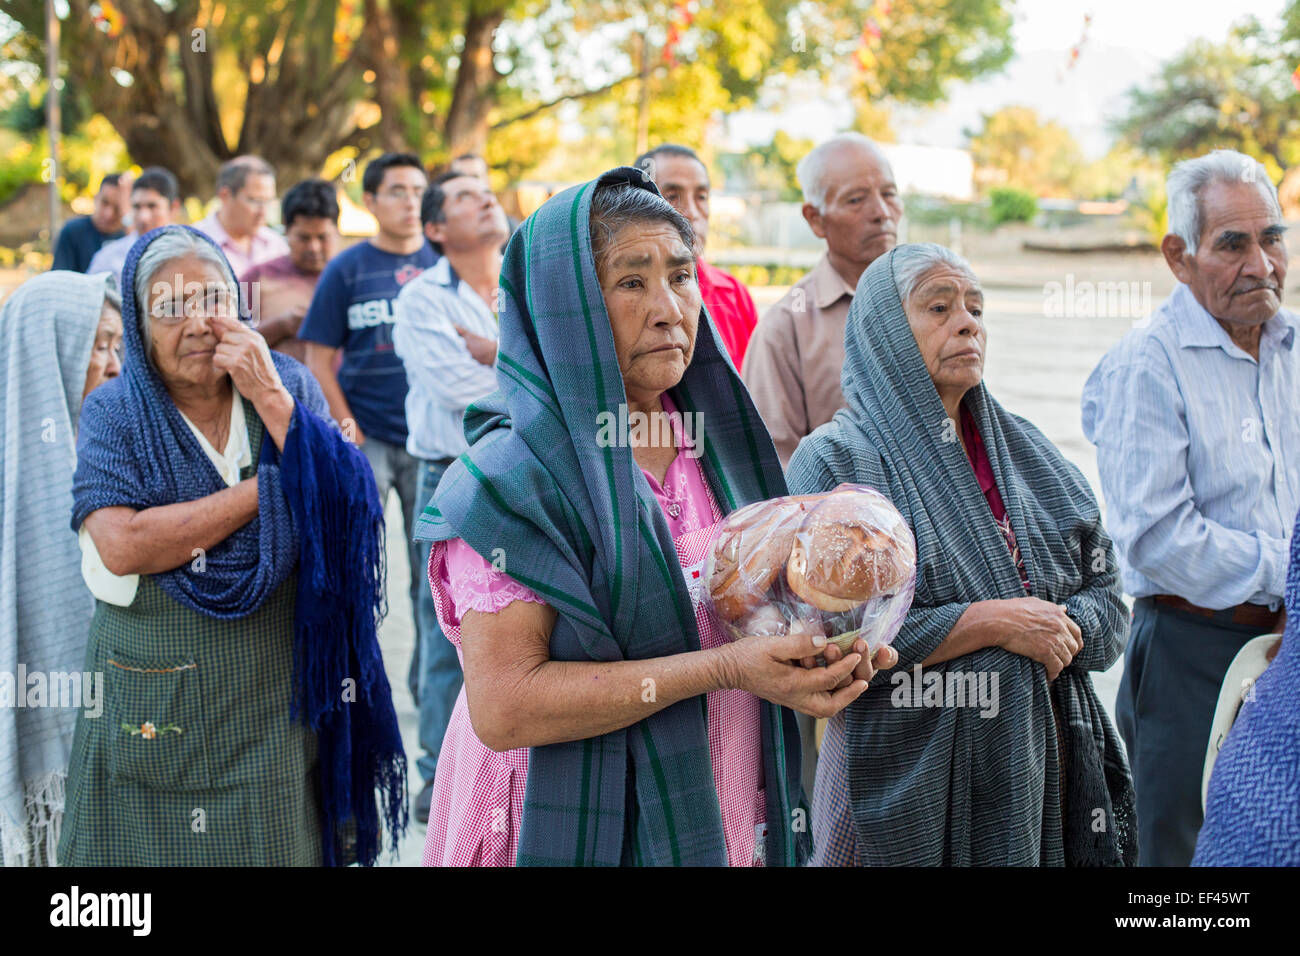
(380,38)
(473,96)
(298,112)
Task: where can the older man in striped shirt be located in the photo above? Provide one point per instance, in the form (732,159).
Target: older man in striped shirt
(1198,443)
(445,332)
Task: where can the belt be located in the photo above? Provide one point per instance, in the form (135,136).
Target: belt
(1247,615)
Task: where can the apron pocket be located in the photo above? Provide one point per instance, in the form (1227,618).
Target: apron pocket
(158,737)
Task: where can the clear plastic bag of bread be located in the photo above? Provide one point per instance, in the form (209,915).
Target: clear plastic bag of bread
(841,563)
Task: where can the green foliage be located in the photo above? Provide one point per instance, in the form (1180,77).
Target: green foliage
(761,275)
(770,169)
(1011,205)
(1016,148)
(1234,94)
(928,43)
(935,211)
(273,80)
(20,165)
(1150,213)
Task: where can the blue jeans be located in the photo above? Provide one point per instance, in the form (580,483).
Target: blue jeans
(435,676)
(394,467)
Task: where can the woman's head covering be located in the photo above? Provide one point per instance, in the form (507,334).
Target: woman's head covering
(135,450)
(575,520)
(1252,810)
(895,436)
(317,511)
(47,334)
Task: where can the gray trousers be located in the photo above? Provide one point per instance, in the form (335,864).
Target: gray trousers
(1173,670)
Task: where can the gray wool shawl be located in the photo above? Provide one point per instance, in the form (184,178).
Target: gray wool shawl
(953,785)
(47,332)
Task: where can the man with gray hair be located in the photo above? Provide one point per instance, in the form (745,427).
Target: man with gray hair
(794,359)
(1198,445)
(796,354)
(245,187)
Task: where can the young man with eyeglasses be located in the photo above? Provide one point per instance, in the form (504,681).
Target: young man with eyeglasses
(352,310)
(246,188)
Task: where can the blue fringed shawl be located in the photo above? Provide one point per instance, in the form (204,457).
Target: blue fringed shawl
(318,512)
(1252,810)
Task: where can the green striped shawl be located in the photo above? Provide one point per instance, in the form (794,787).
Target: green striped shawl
(578,524)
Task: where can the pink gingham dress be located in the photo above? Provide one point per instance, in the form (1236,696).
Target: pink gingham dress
(478,794)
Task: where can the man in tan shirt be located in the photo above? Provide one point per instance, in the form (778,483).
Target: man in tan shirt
(794,360)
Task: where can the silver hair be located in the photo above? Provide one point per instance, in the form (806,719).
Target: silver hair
(111,295)
(914,259)
(1187,182)
(811,171)
(175,243)
(616,205)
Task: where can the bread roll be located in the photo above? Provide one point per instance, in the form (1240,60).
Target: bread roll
(750,552)
(843,557)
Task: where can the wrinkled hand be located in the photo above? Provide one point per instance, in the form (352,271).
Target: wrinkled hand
(1039,630)
(768,667)
(884,658)
(243,353)
(482,348)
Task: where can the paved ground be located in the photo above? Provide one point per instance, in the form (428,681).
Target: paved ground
(1037,364)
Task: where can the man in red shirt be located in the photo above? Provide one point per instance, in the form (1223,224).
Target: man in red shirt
(684,182)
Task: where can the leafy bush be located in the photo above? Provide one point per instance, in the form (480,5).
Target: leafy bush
(1011,205)
(20,166)
(759,275)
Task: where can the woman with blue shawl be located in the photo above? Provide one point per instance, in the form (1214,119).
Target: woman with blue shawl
(987,745)
(60,338)
(1252,810)
(232,540)
(604,720)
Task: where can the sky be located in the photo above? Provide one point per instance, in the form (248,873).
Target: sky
(1126,42)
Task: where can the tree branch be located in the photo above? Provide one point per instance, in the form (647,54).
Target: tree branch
(582,95)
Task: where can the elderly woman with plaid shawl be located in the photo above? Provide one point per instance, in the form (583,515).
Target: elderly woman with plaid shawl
(604,720)
(1016,590)
(233,542)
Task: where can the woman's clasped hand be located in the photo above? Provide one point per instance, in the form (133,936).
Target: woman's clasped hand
(1039,630)
(784,670)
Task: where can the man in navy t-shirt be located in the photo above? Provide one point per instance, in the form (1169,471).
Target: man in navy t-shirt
(352,310)
(81,237)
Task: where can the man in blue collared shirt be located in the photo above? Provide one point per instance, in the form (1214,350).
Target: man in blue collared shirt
(445,333)
(1198,445)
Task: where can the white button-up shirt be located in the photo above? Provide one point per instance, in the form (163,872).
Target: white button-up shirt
(444,377)
(1198,446)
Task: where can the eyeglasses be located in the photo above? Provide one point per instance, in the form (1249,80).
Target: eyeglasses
(171,311)
(401,195)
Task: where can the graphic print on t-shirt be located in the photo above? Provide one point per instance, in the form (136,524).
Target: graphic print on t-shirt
(352,309)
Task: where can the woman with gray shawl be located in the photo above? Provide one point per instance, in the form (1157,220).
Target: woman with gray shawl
(60,337)
(986,745)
